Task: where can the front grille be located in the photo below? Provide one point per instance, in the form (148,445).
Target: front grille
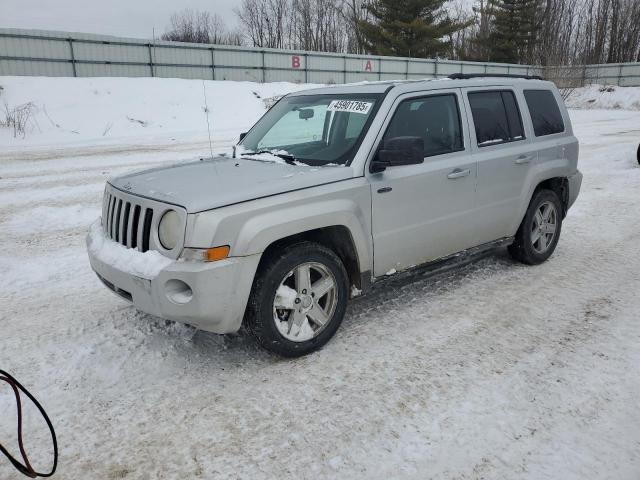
(132,221)
(126,221)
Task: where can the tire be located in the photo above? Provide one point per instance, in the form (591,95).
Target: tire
(306,321)
(533,242)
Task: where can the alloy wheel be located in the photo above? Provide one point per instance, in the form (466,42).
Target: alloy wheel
(544,227)
(305,301)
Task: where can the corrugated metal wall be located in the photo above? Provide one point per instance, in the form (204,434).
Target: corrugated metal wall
(622,74)
(36,52)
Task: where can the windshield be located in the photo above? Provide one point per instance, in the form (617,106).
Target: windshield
(312,129)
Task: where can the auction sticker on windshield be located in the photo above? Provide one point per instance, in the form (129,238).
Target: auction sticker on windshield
(352,106)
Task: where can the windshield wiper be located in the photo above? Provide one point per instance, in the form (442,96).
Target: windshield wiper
(290,159)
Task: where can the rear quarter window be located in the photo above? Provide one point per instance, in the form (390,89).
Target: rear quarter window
(545,113)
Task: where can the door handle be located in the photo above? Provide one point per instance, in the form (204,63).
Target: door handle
(384,189)
(523,159)
(458,173)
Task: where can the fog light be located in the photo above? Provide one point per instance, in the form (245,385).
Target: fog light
(178,292)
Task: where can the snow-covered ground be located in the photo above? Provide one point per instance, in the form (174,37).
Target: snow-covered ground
(492,371)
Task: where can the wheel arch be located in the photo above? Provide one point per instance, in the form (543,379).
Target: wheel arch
(559,185)
(337,238)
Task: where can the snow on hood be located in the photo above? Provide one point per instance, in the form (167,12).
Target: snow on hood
(218,182)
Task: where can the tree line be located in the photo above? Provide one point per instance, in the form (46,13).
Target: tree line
(541,32)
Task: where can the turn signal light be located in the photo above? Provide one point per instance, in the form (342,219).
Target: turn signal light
(217,253)
(205,254)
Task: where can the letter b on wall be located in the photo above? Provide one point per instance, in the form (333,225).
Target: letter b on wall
(295,61)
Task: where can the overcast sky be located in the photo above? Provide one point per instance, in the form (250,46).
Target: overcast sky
(127,18)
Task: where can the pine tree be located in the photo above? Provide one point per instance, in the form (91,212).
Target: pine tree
(407,28)
(513,34)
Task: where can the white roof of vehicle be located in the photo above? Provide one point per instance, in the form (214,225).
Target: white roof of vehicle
(425,84)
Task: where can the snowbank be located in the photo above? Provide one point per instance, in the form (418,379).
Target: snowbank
(99,111)
(605,96)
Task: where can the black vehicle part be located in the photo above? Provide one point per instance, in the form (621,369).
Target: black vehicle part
(467,76)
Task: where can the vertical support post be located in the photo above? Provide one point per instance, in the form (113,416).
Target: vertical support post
(73,56)
(150,59)
(379,69)
(406,70)
(306,68)
(344,69)
(485,68)
(264,69)
(435,68)
(584,75)
(619,74)
(213,64)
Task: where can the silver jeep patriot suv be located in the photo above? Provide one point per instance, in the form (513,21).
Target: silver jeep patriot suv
(335,189)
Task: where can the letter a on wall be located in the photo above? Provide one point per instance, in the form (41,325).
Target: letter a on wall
(368,66)
(295,61)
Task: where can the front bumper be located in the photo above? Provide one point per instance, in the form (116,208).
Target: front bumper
(575,181)
(219,289)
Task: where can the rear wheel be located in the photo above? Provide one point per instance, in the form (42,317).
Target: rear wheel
(298,299)
(539,232)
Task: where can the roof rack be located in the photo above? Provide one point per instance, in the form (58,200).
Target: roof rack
(466,76)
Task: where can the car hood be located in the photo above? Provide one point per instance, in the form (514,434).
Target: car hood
(218,182)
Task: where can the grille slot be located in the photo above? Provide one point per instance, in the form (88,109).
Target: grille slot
(117,221)
(128,221)
(114,201)
(146,232)
(125,225)
(134,227)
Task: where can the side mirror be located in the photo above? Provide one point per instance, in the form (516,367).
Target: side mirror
(398,151)
(305,113)
(242,135)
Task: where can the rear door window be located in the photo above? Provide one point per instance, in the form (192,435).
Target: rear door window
(496,117)
(545,113)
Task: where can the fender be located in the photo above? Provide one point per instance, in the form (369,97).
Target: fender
(262,230)
(249,228)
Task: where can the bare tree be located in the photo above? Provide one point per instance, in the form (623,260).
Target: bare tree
(318,25)
(266,22)
(624,40)
(200,27)
(460,39)
(354,12)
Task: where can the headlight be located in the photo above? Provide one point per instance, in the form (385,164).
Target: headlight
(169,229)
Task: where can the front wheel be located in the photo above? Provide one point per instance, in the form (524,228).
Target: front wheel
(539,231)
(298,299)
